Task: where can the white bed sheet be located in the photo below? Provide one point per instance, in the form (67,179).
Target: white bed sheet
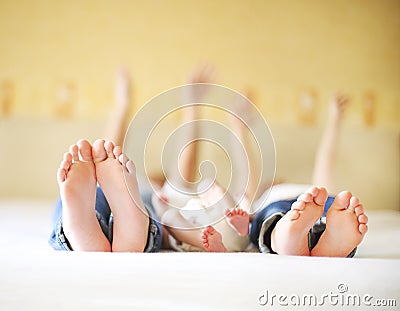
(32,277)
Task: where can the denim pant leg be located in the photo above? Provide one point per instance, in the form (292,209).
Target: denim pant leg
(58,240)
(266,219)
(154,240)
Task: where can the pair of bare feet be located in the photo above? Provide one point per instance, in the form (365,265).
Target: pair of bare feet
(346,225)
(81,169)
(237,219)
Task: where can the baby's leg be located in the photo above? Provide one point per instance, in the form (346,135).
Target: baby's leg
(77,181)
(120,116)
(290,235)
(187,162)
(346,225)
(327,150)
(116,176)
(246,167)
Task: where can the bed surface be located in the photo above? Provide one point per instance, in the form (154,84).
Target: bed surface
(33,277)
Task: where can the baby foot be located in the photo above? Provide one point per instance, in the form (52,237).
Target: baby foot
(337,107)
(212,240)
(290,235)
(77,181)
(116,176)
(346,226)
(239,220)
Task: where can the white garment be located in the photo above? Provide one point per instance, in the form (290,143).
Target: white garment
(201,217)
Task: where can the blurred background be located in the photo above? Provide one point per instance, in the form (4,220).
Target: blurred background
(58,61)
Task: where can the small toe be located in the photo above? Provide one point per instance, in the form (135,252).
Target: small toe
(61,175)
(117,151)
(293,214)
(363,219)
(67,160)
(363,228)
(359,210)
(74,151)
(130,166)
(123,159)
(305,197)
(109,147)
(65,165)
(354,201)
(67,156)
(298,205)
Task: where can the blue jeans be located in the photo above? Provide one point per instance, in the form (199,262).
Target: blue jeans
(58,240)
(266,219)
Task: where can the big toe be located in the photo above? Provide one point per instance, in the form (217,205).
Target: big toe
(85,150)
(342,200)
(321,196)
(99,152)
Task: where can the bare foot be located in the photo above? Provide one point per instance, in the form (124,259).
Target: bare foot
(212,240)
(337,107)
(77,181)
(116,176)
(290,235)
(346,225)
(239,220)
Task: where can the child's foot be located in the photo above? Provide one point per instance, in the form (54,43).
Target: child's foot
(346,225)
(212,240)
(77,181)
(290,235)
(337,107)
(239,220)
(116,176)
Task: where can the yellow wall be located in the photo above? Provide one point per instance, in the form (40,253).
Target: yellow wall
(281,49)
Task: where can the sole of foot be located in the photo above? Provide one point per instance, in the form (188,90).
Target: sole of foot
(116,176)
(239,220)
(290,235)
(212,240)
(77,181)
(346,226)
